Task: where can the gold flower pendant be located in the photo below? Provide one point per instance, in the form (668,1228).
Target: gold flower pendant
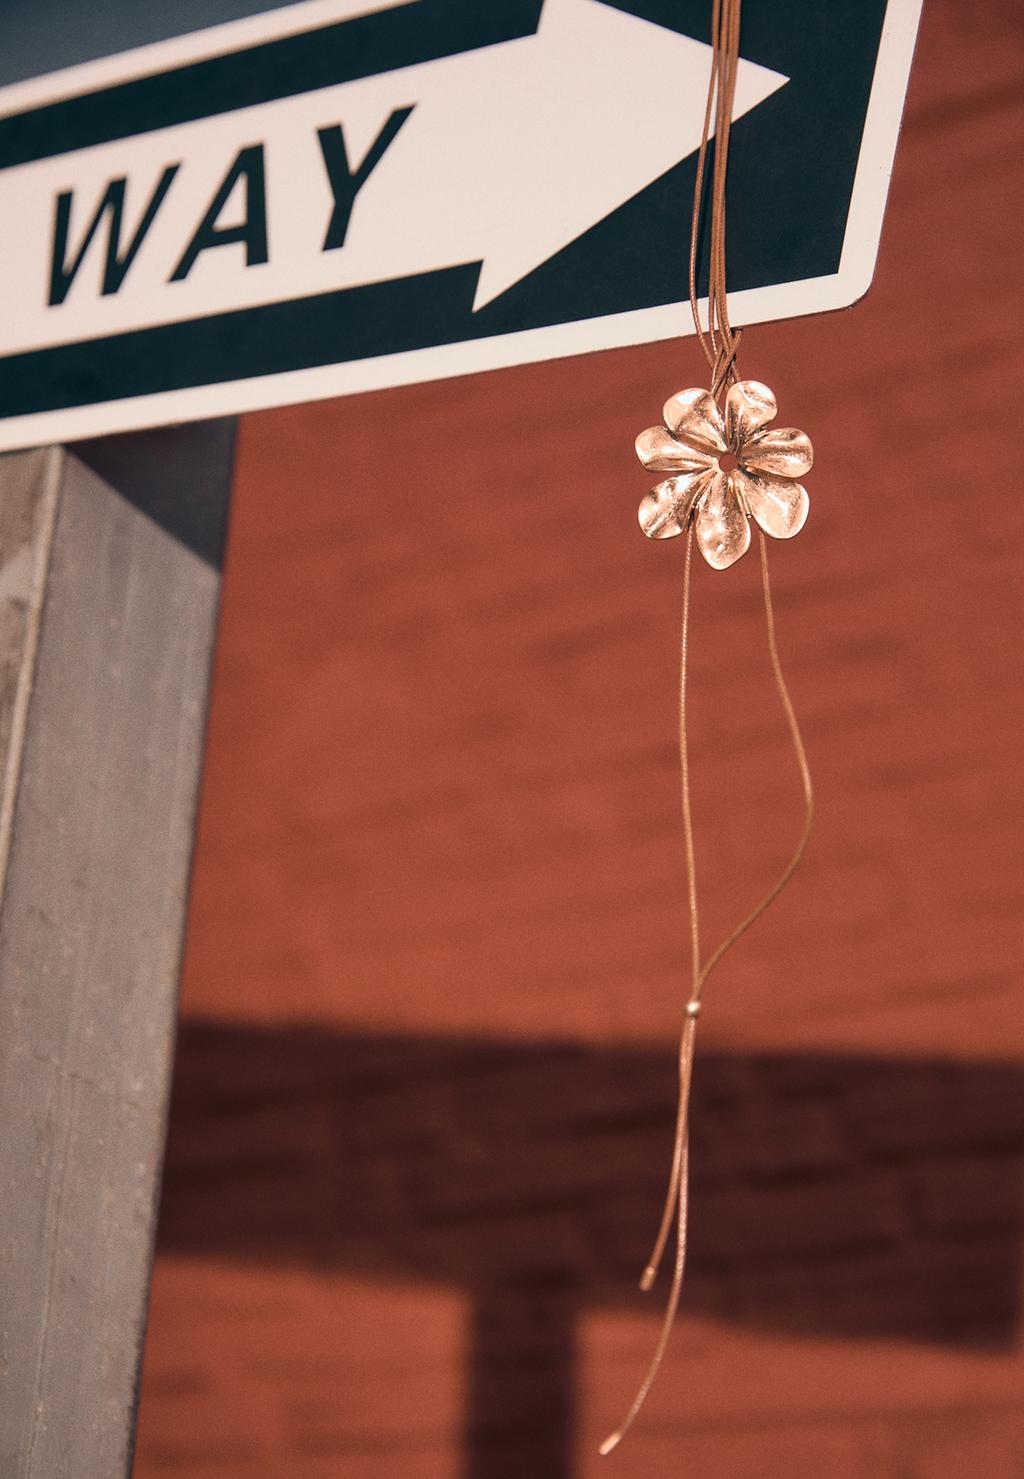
(762,485)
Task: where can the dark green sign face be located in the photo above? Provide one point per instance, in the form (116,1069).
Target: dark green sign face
(417,190)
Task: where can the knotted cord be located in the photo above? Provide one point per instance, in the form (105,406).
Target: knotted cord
(720,343)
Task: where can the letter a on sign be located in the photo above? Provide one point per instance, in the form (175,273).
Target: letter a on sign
(337,195)
(251,231)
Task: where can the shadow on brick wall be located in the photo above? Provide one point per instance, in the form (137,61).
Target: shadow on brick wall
(847,1196)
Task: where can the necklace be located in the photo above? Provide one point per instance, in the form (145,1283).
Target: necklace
(728,466)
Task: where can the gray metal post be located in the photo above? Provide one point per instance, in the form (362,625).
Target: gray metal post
(109,582)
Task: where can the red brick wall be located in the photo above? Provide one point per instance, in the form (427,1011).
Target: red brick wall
(437,947)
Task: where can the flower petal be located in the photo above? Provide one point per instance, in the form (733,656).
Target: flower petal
(666,509)
(696,420)
(722,528)
(778,504)
(748,406)
(779,449)
(659,451)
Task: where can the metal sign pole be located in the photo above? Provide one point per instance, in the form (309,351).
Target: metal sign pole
(109,584)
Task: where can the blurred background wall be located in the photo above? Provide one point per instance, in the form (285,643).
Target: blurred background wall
(436,961)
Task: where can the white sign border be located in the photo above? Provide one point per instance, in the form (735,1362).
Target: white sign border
(501,351)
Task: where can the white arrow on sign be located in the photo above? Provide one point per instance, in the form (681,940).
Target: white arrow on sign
(515,151)
(508,154)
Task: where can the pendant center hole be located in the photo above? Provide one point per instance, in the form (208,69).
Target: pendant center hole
(727,462)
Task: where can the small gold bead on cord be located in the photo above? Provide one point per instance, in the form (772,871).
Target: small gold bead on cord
(693,1008)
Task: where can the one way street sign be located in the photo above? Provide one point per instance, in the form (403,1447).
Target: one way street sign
(329,198)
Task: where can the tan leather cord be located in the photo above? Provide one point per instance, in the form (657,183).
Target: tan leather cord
(676,1201)
(720,344)
(677,1185)
(805,778)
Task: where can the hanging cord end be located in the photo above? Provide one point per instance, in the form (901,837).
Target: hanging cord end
(610,1444)
(648,1277)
